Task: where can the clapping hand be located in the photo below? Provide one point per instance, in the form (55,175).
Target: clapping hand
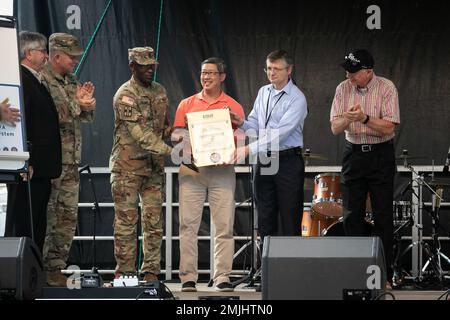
(355,114)
(85,96)
(9,115)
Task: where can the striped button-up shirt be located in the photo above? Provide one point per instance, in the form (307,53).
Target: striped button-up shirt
(378,100)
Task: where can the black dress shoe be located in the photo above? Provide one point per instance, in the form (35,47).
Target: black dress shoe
(188,286)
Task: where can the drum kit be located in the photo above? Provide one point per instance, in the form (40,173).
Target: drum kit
(324,218)
(326,206)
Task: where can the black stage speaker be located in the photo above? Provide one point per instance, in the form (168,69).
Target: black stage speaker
(21,270)
(322,268)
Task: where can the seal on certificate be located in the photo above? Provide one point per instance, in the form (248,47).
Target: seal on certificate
(215,157)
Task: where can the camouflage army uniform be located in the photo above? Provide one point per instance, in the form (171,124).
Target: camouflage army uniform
(141,124)
(63,204)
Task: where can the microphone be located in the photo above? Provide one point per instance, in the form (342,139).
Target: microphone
(447,162)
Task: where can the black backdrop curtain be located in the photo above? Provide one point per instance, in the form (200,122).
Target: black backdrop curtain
(412,48)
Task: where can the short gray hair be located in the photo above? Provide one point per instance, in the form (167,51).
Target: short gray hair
(30,40)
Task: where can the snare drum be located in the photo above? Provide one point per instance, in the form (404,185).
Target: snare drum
(327,198)
(314,224)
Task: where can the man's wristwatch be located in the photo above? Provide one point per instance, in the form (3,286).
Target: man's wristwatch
(367,119)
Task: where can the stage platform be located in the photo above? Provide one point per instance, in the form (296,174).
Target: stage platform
(204,293)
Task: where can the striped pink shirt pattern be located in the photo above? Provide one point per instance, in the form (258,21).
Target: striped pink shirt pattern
(378,100)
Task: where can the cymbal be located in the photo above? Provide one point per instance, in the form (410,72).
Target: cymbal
(444,184)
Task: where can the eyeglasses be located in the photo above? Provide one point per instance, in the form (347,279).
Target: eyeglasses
(276,70)
(44,51)
(209,73)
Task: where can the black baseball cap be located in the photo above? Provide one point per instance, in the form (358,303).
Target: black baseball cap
(358,59)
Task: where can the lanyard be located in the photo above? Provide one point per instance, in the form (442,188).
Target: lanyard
(268,116)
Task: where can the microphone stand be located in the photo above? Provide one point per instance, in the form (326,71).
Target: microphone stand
(255,243)
(254,271)
(397,264)
(92,279)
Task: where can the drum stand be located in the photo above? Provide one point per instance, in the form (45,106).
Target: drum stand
(432,251)
(397,266)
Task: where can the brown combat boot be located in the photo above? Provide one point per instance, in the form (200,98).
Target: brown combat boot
(56,279)
(149,277)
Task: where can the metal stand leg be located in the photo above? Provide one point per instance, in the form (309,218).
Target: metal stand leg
(253,243)
(398,270)
(93,279)
(30,207)
(432,251)
(417,228)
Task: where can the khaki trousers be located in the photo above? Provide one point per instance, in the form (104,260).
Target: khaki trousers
(217,184)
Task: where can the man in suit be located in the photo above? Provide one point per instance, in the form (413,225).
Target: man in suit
(44,144)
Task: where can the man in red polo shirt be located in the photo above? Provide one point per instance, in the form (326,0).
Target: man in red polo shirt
(218,182)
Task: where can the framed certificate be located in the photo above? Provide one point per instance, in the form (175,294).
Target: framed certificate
(13,141)
(211,136)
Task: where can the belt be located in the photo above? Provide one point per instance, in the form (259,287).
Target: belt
(287,152)
(369,147)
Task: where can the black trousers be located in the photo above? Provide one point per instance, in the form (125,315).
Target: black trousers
(18,213)
(370,171)
(279,197)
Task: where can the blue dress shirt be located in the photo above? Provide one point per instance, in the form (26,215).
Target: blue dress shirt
(278,117)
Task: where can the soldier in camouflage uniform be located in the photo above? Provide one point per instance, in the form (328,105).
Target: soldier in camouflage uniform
(137,164)
(75,104)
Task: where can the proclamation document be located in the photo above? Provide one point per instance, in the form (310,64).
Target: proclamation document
(211,137)
(13,146)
